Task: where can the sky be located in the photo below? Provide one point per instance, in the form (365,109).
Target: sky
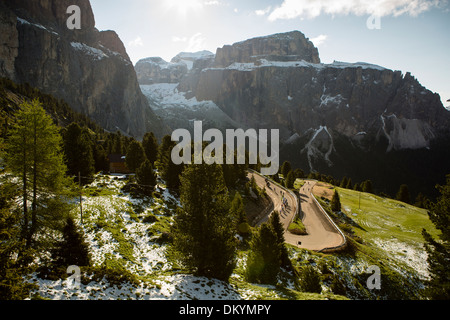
(406,35)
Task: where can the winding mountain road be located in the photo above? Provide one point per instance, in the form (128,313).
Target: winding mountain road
(322,232)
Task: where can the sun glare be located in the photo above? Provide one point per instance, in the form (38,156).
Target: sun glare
(184,7)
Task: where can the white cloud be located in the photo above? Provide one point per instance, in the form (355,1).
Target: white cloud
(263,12)
(319,40)
(179,39)
(136,42)
(196,43)
(291,9)
(212,3)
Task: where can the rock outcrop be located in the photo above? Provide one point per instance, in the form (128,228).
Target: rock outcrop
(87,68)
(291,46)
(156,70)
(354,119)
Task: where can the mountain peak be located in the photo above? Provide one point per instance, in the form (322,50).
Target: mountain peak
(289,46)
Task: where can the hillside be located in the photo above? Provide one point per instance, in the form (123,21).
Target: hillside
(129,241)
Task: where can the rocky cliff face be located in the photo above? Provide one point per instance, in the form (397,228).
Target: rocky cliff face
(351,99)
(87,68)
(326,113)
(291,46)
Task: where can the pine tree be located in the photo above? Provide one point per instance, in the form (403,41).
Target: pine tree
(204,229)
(343,182)
(73,250)
(146,177)
(169,171)
(12,285)
(310,280)
(403,194)
(101,162)
(285,168)
(438,252)
(277,227)
(349,184)
(135,155)
(299,174)
(34,155)
(78,151)
(290,180)
(264,259)
(237,211)
(150,145)
(335,202)
(367,186)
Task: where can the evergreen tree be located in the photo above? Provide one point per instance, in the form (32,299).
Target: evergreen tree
(101,162)
(438,252)
(264,259)
(169,171)
(237,211)
(367,186)
(277,227)
(116,145)
(204,229)
(150,145)
(403,194)
(335,202)
(285,168)
(422,201)
(299,174)
(146,177)
(344,182)
(34,155)
(73,250)
(135,156)
(12,285)
(310,280)
(290,180)
(349,184)
(78,151)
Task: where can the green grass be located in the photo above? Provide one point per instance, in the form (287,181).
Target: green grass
(297,227)
(298,184)
(384,218)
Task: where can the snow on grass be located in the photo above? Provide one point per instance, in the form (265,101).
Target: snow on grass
(414,256)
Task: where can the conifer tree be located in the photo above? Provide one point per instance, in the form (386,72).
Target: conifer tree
(264,259)
(169,171)
(290,180)
(438,287)
(335,202)
(349,184)
(34,155)
(344,182)
(277,227)
(135,155)
(237,210)
(12,284)
(78,151)
(150,145)
(146,177)
(403,194)
(204,229)
(73,250)
(367,186)
(285,168)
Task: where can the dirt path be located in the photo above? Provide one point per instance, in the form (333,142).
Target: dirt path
(321,232)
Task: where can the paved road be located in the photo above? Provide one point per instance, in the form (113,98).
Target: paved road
(321,232)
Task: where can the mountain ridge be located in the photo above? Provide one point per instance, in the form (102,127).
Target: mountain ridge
(88,68)
(330,110)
